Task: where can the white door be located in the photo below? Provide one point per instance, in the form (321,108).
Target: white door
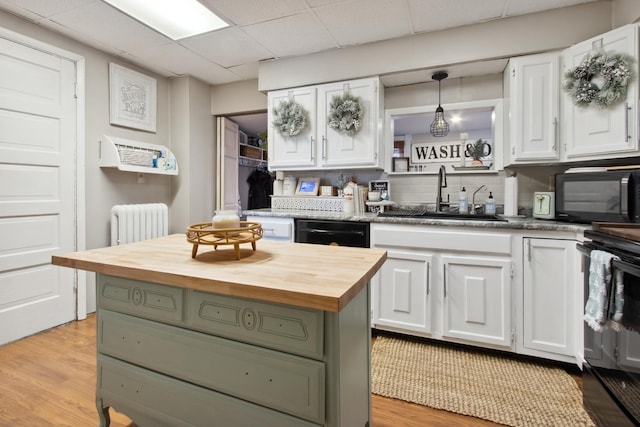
(37,189)
(228,194)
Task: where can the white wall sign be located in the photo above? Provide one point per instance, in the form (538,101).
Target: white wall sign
(445,151)
(132,98)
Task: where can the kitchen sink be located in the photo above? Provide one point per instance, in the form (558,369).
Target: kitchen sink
(407,213)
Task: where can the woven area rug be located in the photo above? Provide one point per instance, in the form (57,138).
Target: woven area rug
(511,392)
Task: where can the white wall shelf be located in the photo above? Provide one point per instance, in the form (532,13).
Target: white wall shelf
(135,156)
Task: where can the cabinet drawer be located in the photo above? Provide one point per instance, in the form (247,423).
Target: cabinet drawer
(285,382)
(291,329)
(148,300)
(275,228)
(164,401)
(422,237)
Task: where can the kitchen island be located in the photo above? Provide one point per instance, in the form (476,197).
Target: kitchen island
(280,337)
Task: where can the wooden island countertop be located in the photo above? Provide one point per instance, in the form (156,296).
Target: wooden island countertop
(304,275)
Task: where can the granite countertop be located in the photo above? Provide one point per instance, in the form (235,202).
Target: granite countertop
(516,223)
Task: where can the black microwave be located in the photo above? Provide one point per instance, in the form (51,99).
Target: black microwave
(608,196)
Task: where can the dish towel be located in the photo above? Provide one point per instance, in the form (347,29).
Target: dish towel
(597,306)
(616,301)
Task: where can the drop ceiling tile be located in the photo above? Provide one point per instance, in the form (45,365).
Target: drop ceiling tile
(175,60)
(228,47)
(104,45)
(520,7)
(172,57)
(292,35)
(215,76)
(377,20)
(319,3)
(19,11)
(247,71)
(246,12)
(99,21)
(47,8)
(436,15)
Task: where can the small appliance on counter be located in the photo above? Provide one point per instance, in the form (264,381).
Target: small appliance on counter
(544,204)
(606,196)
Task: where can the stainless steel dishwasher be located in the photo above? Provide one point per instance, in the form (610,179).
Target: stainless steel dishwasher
(342,233)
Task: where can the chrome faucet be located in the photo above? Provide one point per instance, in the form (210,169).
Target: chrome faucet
(473,200)
(442,183)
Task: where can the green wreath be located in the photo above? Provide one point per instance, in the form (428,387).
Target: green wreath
(346,113)
(601,79)
(289,118)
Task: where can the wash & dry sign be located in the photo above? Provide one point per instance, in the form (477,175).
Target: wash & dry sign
(446,151)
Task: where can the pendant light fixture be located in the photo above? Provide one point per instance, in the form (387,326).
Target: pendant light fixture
(439,127)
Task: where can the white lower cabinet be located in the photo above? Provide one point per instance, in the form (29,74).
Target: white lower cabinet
(513,290)
(477,299)
(551,298)
(452,284)
(404,301)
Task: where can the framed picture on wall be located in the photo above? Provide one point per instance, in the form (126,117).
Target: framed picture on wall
(400,164)
(132,99)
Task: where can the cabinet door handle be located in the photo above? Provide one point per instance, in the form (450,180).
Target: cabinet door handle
(555,133)
(528,250)
(324,147)
(444,268)
(428,269)
(313,149)
(627,109)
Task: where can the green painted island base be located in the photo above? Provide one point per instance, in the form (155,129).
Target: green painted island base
(170,356)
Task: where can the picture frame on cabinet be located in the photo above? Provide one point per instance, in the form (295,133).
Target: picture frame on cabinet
(307,187)
(132,99)
(400,164)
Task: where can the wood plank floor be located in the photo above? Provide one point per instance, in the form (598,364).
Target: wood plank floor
(48,380)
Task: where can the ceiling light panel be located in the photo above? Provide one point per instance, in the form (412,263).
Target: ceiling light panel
(176,19)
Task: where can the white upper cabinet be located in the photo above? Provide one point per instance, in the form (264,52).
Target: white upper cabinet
(289,152)
(591,133)
(534,85)
(320,146)
(340,149)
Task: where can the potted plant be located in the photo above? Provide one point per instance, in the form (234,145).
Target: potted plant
(477,152)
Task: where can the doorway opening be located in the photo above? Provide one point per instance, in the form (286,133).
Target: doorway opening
(252,150)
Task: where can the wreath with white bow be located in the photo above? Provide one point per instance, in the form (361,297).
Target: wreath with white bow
(601,79)
(290,118)
(346,113)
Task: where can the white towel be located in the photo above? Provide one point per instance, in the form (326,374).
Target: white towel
(597,306)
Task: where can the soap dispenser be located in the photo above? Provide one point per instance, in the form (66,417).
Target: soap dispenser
(463,202)
(490,205)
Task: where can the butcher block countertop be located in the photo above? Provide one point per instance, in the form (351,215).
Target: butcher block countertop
(304,275)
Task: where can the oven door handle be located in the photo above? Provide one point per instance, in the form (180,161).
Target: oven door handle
(333,232)
(626,267)
(585,248)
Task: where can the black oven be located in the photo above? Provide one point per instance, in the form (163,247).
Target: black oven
(342,233)
(611,370)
